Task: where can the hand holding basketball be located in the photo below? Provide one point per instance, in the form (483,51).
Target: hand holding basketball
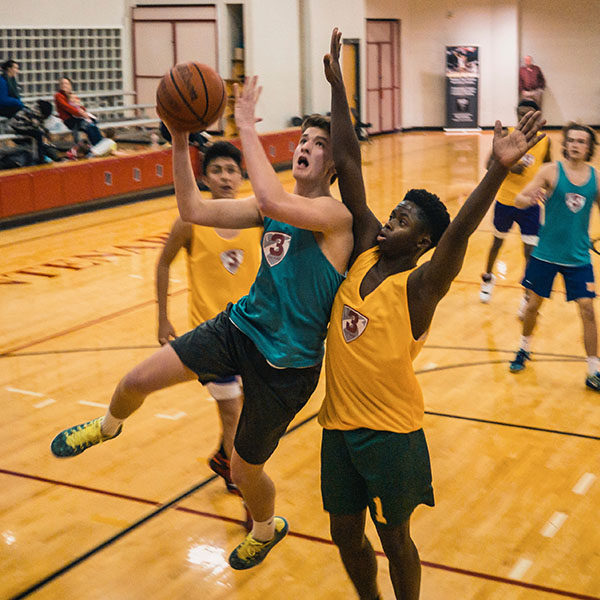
(190,97)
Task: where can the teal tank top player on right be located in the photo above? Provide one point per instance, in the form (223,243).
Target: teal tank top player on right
(564,236)
(287,309)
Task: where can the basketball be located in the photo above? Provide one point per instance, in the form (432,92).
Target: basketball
(190,97)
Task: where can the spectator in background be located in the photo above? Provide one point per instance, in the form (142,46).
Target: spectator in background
(531,82)
(10,99)
(73,113)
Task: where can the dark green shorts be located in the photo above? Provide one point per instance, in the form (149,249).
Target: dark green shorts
(388,472)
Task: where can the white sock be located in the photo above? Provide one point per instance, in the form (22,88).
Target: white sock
(263,531)
(110,424)
(593,363)
(525,342)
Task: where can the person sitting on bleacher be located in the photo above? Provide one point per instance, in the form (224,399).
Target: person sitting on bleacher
(74,115)
(10,99)
(29,123)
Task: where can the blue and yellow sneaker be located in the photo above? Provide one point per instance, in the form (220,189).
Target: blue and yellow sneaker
(518,364)
(252,552)
(75,440)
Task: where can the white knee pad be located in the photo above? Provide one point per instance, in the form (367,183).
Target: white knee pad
(225,391)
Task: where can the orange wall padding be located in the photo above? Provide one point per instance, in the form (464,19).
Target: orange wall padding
(33,189)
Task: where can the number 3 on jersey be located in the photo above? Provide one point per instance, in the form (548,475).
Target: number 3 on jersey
(275,246)
(353,323)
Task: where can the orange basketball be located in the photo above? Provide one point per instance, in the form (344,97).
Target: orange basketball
(190,97)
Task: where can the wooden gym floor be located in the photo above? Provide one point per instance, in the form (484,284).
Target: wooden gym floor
(515,457)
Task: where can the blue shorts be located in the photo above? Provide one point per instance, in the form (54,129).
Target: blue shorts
(528,220)
(540,274)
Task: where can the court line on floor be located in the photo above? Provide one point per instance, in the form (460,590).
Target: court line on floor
(162,507)
(198,486)
(119,313)
(63,232)
(15,354)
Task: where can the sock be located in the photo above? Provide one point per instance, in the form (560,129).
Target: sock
(110,424)
(263,531)
(593,363)
(525,341)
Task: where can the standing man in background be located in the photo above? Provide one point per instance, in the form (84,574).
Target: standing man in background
(531,82)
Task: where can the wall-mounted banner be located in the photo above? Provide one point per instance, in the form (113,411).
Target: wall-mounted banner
(462,87)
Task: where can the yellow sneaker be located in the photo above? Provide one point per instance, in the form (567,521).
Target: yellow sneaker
(75,440)
(252,552)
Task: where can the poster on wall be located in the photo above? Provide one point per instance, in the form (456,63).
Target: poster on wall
(462,87)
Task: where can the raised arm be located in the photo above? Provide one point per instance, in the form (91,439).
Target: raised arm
(318,213)
(226,213)
(346,154)
(180,236)
(432,280)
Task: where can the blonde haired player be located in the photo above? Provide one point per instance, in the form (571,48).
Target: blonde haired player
(221,266)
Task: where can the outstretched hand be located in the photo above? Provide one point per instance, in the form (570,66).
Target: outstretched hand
(245,102)
(331,61)
(508,149)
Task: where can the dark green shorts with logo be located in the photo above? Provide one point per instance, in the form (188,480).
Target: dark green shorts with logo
(388,472)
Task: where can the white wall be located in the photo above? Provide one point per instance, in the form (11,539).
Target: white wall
(271,31)
(427,27)
(320,18)
(564,40)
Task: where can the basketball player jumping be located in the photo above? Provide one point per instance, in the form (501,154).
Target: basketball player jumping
(374,452)
(273,337)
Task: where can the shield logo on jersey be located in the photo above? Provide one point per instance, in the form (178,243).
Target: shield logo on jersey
(275,246)
(353,323)
(232,259)
(574,202)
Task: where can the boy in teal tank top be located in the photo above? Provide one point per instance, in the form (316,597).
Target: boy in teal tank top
(568,189)
(273,338)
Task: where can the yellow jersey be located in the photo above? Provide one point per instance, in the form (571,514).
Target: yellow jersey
(370,380)
(220,270)
(514,183)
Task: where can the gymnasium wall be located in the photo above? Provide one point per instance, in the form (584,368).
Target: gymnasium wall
(564,39)
(271,30)
(427,27)
(286,39)
(321,16)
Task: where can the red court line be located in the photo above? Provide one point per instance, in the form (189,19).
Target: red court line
(308,537)
(52,336)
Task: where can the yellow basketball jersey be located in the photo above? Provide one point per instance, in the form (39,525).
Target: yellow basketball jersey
(514,183)
(370,380)
(219,270)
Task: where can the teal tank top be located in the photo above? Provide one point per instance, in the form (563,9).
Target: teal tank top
(287,309)
(564,236)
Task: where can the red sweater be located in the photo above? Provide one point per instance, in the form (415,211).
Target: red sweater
(65,109)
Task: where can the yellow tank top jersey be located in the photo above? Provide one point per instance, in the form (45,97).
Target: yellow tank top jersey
(370,380)
(219,270)
(514,183)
